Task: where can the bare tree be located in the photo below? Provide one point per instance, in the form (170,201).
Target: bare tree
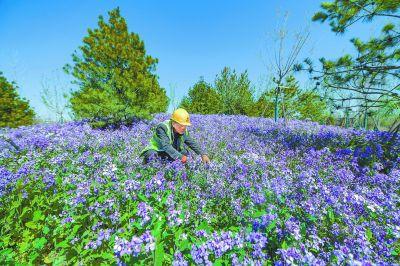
(55,96)
(282,59)
(174,102)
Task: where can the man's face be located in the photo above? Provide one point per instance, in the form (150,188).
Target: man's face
(178,128)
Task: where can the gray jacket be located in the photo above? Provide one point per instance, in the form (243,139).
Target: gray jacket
(174,150)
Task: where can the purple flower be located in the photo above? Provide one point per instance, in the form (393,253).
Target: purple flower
(101,237)
(6,180)
(292,227)
(48,180)
(290,169)
(200,255)
(290,255)
(143,212)
(67,220)
(136,246)
(179,260)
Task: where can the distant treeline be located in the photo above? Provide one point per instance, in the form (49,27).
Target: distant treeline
(117,81)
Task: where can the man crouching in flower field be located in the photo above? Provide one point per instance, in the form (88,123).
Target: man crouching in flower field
(169,138)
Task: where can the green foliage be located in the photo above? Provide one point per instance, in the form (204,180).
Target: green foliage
(311,106)
(264,106)
(368,81)
(294,103)
(233,95)
(202,99)
(235,92)
(341,13)
(14,110)
(115,75)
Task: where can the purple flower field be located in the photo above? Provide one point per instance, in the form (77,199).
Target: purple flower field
(274,194)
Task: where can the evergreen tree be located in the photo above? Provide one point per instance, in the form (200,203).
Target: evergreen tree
(235,92)
(14,110)
(369,79)
(202,99)
(115,75)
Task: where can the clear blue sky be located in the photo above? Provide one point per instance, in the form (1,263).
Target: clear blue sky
(190,38)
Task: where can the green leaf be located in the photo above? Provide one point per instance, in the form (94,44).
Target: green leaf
(46,230)
(219,262)
(24,246)
(63,244)
(204,226)
(312,218)
(178,233)
(6,254)
(24,210)
(16,204)
(5,241)
(396,55)
(106,255)
(234,229)
(60,260)
(31,225)
(368,234)
(87,232)
(183,245)
(27,235)
(159,252)
(321,16)
(47,260)
(271,226)
(331,216)
(388,27)
(137,225)
(125,217)
(38,216)
(33,256)
(166,234)
(39,243)
(259,213)
(76,228)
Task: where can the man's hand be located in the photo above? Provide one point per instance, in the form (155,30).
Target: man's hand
(184,159)
(205,158)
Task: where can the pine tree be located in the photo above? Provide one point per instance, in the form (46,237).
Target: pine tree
(115,75)
(235,92)
(14,110)
(202,99)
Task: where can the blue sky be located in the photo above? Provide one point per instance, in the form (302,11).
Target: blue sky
(190,38)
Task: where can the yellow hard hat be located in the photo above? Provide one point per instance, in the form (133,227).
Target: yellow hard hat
(181,116)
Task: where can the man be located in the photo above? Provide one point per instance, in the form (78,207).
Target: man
(169,138)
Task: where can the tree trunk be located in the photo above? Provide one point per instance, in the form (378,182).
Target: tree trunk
(276,111)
